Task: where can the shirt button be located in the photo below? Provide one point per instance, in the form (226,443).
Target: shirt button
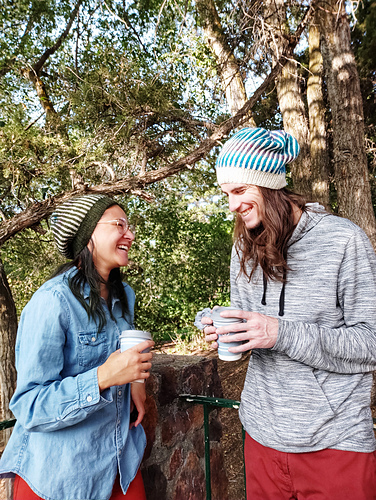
(93,339)
(119,393)
(89,399)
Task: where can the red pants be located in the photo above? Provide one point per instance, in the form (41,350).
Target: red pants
(135,491)
(320,475)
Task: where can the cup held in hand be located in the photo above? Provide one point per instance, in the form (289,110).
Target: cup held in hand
(218,321)
(130,338)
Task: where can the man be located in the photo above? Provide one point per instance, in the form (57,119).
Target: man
(304,282)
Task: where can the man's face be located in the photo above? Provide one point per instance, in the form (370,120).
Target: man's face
(247,201)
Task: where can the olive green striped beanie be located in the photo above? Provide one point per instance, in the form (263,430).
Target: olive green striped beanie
(74,221)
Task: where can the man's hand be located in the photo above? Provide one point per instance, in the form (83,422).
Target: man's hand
(259,331)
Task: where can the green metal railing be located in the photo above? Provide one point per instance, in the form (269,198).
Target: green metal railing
(5,424)
(210,403)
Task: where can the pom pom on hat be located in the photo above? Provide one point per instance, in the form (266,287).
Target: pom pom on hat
(257,156)
(74,221)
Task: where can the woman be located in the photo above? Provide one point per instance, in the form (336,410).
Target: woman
(74,438)
(304,282)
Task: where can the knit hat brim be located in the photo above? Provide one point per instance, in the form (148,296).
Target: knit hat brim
(87,226)
(235,175)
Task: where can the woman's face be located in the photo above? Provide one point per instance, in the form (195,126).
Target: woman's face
(108,245)
(247,201)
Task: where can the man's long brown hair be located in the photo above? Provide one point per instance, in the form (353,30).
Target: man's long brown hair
(266,245)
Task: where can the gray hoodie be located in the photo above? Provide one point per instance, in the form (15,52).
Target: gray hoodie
(312,390)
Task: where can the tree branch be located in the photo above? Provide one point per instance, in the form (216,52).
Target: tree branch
(51,50)
(134,185)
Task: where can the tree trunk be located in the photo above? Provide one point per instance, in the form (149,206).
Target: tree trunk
(228,67)
(8,330)
(350,161)
(320,161)
(295,123)
(290,99)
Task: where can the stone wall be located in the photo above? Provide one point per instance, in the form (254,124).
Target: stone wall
(174,463)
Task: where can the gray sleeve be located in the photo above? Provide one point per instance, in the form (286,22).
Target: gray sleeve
(351,348)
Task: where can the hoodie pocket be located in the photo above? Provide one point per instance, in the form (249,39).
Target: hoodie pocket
(295,412)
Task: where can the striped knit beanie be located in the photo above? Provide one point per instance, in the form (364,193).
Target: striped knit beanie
(256,156)
(74,221)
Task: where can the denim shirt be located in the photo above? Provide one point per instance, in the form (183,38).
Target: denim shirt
(70,441)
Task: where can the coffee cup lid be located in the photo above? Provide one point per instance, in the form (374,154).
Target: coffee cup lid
(216,315)
(136,333)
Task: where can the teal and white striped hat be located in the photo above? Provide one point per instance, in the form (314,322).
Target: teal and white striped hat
(74,221)
(256,156)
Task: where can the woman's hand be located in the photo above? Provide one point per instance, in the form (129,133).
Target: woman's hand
(259,331)
(138,394)
(124,367)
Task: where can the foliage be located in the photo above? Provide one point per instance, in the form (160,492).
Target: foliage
(29,259)
(118,88)
(364,44)
(181,259)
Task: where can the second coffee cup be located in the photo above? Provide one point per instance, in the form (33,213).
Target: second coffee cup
(218,321)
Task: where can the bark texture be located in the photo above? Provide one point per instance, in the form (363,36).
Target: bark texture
(291,103)
(228,67)
(320,161)
(8,330)
(295,122)
(349,154)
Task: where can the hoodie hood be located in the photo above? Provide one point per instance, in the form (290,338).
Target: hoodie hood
(309,219)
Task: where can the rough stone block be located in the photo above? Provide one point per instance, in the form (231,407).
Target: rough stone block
(191,482)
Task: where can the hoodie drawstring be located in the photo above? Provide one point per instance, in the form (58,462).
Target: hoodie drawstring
(263,300)
(281,311)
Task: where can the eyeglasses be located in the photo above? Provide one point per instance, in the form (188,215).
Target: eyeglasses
(122,225)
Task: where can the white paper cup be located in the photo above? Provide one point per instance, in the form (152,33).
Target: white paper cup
(218,321)
(130,338)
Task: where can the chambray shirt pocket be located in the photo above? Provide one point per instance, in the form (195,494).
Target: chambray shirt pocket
(92,349)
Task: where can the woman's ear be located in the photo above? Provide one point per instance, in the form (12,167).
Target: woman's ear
(90,245)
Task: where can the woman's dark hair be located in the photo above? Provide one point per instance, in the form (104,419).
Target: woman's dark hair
(87,274)
(266,245)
